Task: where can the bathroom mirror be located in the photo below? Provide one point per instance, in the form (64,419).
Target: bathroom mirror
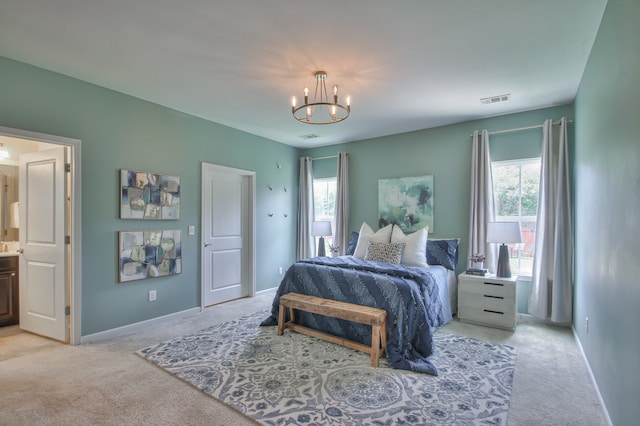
(8,206)
(9,182)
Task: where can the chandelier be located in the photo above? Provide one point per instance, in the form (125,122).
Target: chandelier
(320,111)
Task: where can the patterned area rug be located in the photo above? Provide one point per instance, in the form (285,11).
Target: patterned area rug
(297,379)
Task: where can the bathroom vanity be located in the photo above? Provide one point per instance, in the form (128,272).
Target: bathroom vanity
(9,299)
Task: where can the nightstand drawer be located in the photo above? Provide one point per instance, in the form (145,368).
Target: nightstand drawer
(488,288)
(487,317)
(486,302)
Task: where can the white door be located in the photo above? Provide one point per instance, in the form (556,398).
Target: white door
(227,228)
(43,266)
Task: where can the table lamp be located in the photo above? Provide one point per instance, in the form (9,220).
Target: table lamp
(503,233)
(321,229)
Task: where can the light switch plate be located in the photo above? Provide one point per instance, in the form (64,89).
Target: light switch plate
(192,230)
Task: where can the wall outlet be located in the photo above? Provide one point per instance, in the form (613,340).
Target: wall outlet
(152,295)
(586,324)
(280,270)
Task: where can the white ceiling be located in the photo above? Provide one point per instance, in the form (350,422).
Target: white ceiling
(408,65)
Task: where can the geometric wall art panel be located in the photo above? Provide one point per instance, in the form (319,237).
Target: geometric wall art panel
(149,254)
(145,195)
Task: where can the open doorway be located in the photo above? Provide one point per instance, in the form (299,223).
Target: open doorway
(55,161)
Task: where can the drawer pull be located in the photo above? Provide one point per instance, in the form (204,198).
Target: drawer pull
(494,312)
(493,297)
(498,284)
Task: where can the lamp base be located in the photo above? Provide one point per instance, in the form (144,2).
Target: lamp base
(321,252)
(504,269)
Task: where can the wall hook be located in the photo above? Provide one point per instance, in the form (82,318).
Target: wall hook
(270,214)
(285,189)
(286,215)
(278,166)
(270,187)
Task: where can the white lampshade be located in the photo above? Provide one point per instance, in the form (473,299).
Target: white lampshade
(321,228)
(504,232)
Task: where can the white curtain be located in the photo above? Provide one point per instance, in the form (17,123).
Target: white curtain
(341,233)
(306,242)
(482,204)
(551,295)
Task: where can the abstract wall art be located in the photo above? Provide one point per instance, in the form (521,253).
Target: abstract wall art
(406,202)
(149,254)
(145,195)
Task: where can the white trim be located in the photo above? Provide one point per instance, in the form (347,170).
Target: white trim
(517,161)
(75,273)
(269,290)
(593,378)
(251,177)
(130,328)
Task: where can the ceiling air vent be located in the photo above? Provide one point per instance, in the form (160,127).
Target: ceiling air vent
(309,136)
(495,99)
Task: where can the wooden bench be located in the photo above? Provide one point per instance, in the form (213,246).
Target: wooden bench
(374,317)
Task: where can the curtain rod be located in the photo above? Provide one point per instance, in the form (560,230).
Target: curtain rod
(517,129)
(325,158)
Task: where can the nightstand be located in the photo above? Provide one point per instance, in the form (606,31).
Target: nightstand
(487,300)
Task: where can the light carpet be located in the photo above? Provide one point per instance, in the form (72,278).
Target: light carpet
(298,379)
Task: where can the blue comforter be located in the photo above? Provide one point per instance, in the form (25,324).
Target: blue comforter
(408,294)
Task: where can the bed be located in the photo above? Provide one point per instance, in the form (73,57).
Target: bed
(417,298)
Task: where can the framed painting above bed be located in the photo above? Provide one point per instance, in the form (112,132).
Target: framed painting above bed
(406,202)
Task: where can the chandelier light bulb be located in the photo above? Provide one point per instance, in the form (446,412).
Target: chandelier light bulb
(294,101)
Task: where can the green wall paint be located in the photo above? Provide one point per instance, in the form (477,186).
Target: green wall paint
(327,167)
(607,211)
(444,152)
(118,131)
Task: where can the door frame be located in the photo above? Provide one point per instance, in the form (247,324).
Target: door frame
(251,225)
(75,271)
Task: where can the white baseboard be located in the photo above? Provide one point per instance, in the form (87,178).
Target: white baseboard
(126,329)
(269,290)
(593,378)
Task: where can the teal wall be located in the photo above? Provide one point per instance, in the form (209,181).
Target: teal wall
(118,131)
(607,194)
(444,152)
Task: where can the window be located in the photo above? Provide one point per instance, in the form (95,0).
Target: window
(324,204)
(515,190)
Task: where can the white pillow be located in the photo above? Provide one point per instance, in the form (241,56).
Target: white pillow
(366,234)
(415,250)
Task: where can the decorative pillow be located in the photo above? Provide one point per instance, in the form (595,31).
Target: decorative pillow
(443,252)
(415,251)
(353,242)
(366,234)
(384,252)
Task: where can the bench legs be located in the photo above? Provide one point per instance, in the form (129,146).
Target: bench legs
(378,335)
(281,320)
